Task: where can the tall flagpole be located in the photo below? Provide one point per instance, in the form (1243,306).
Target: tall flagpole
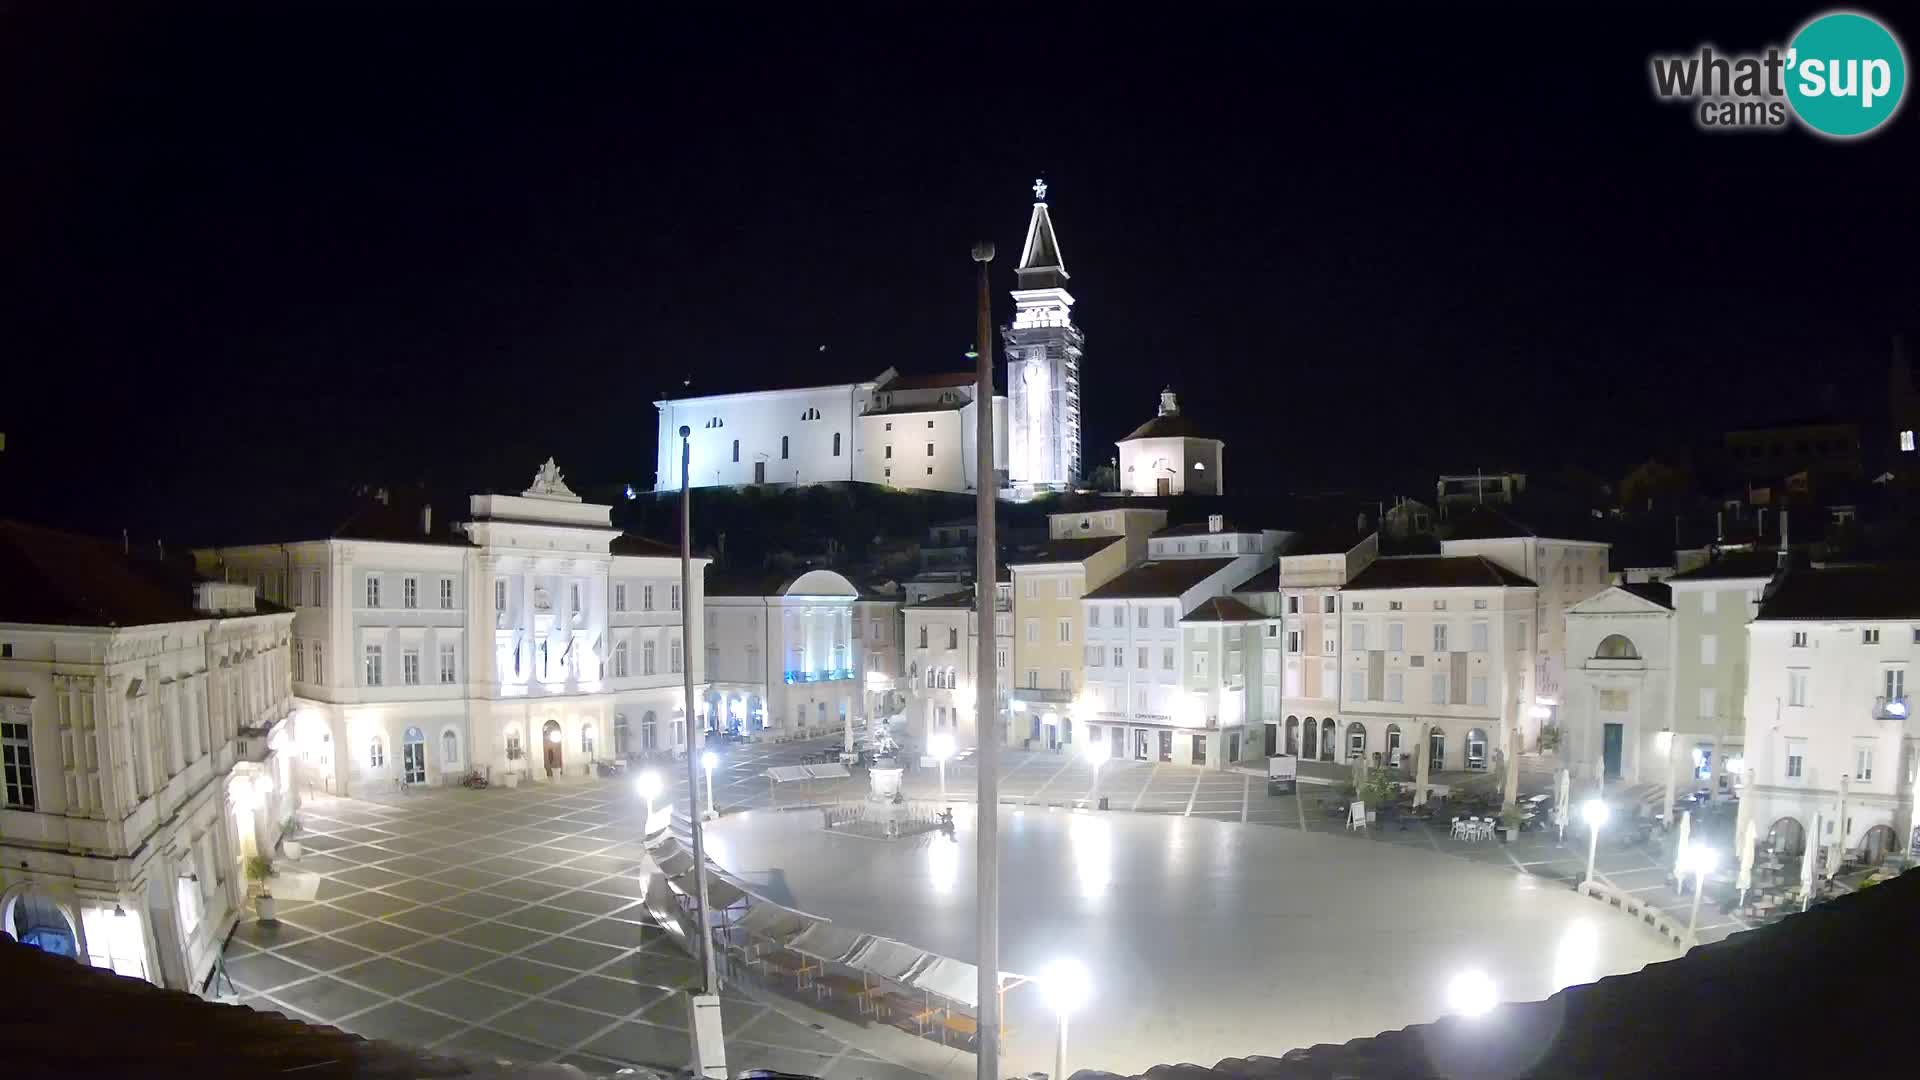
(709,1047)
(986,698)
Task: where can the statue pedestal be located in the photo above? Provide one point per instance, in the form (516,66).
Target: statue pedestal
(883,781)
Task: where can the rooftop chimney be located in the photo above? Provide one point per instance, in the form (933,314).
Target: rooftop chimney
(1216,522)
(426,520)
(1168,407)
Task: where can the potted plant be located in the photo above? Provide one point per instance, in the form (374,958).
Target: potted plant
(290,839)
(1509,824)
(512,776)
(259,870)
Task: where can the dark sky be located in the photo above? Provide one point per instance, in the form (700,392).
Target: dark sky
(250,257)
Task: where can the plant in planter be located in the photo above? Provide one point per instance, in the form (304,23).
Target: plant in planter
(1510,823)
(259,870)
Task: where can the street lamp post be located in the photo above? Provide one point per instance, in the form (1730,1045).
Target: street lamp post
(1067,987)
(1699,859)
(940,746)
(1595,814)
(647,786)
(708,761)
(1096,752)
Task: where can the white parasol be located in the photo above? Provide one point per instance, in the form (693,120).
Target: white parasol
(1745,881)
(1680,849)
(1806,864)
(1562,796)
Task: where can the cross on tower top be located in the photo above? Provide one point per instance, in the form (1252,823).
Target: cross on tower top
(1039,189)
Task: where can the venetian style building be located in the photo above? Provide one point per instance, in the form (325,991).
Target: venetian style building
(1173,661)
(1618,710)
(1831,741)
(943,647)
(1044,350)
(533,640)
(144,730)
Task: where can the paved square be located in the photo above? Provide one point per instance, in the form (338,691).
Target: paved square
(505,923)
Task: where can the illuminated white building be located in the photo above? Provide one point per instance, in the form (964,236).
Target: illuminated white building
(534,640)
(142,721)
(1445,641)
(943,650)
(1043,349)
(876,651)
(916,432)
(1829,714)
(1172,659)
(1165,457)
(780,656)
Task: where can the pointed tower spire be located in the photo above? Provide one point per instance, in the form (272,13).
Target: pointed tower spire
(1040,264)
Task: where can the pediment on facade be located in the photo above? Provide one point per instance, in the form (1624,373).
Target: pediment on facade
(1614,600)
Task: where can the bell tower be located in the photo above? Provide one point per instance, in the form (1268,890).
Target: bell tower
(1044,348)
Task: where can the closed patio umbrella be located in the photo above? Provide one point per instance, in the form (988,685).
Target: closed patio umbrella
(1680,849)
(1806,865)
(1839,829)
(1562,795)
(1745,881)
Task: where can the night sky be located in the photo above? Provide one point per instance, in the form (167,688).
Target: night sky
(253,258)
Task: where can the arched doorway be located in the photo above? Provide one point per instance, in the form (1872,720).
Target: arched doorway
(1309,739)
(1393,745)
(1476,749)
(1356,740)
(1615,647)
(34,919)
(756,713)
(449,750)
(586,741)
(1436,750)
(1877,845)
(621,735)
(1787,836)
(1293,736)
(550,745)
(413,757)
(649,730)
(1326,739)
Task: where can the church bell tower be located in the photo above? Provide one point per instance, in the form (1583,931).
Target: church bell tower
(1043,363)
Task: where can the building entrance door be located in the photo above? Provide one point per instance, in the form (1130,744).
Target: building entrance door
(759,472)
(1611,739)
(1140,746)
(1118,742)
(1163,485)
(413,757)
(1273,739)
(550,744)
(1166,746)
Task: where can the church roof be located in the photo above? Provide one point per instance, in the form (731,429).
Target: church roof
(1041,266)
(930,382)
(1166,426)
(1436,572)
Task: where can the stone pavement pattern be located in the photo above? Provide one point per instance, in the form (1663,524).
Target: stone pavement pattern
(500,924)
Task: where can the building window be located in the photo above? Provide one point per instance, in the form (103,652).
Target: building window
(373,590)
(1479,634)
(1797,687)
(1870,636)
(1395,684)
(1066,630)
(953,636)
(1799,639)
(375,661)
(1480,605)
(1327,605)
(449,748)
(1200,664)
(410,593)
(315,595)
(1439,637)
(783,448)
(1119,657)
(1293,641)
(647,658)
(1357,686)
(1033,679)
(446,594)
(836,444)
(736,451)
(1709,702)
(1359,635)
(499,594)
(1093,615)
(447,672)
(1709,649)
(1906,441)
(929,449)
(319,663)
(1709,602)
(619,598)
(1439,690)
(1438,605)
(673,598)
(1394,605)
(1356,605)
(16,758)
(410,667)
(1000,659)
(1396,637)
(1895,683)
(377,753)
(1477,690)
(620,664)
(1066,680)
(573,598)
(299,660)
(674,661)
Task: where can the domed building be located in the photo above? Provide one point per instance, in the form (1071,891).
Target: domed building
(1166,456)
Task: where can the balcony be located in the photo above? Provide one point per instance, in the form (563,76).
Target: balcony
(1034,695)
(1891,709)
(840,675)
